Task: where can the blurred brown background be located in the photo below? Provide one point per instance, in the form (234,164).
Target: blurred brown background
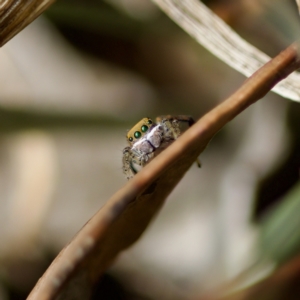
(72,84)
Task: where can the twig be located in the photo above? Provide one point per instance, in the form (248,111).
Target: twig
(17,14)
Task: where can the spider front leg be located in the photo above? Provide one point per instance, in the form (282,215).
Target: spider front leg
(133,161)
(128,169)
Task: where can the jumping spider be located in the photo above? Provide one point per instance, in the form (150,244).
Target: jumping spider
(146,137)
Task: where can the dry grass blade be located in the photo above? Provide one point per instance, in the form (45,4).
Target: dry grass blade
(17,14)
(126,215)
(217,37)
(298,4)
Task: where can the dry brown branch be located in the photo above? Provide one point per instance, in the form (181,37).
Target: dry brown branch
(126,215)
(17,14)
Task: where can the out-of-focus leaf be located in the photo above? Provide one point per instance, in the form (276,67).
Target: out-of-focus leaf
(280,229)
(125,216)
(283,284)
(16,14)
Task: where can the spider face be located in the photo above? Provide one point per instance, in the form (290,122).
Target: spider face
(146,138)
(139,130)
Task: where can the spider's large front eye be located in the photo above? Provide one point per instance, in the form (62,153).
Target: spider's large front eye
(144,128)
(137,134)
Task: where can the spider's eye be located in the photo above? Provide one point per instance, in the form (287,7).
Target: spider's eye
(130,139)
(144,128)
(149,122)
(137,134)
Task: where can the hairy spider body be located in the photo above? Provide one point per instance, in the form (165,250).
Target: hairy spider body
(146,137)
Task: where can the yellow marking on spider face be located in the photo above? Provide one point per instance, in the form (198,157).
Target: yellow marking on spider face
(138,130)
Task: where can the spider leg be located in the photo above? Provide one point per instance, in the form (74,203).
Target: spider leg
(128,169)
(133,162)
(179,118)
